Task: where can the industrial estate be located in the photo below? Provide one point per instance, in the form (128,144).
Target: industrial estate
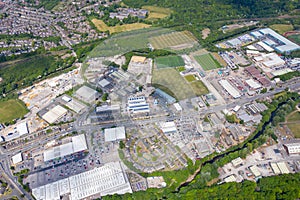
(147,102)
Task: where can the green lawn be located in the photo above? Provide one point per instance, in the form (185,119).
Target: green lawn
(199,88)
(190,78)
(173,83)
(169,61)
(207,62)
(11,109)
(295,38)
(294,127)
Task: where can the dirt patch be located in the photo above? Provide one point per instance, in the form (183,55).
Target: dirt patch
(205,33)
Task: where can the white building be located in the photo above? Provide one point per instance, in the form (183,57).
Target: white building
(230,89)
(101,181)
(138,105)
(114,134)
(253,84)
(292,148)
(17,158)
(54,114)
(168,127)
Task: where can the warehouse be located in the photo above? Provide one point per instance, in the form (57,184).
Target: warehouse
(54,114)
(22,129)
(265,47)
(283,168)
(272,60)
(98,182)
(253,84)
(237,162)
(275,168)
(230,178)
(138,105)
(281,44)
(292,147)
(255,171)
(77,144)
(168,127)
(75,105)
(17,158)
(114,134)
(86,94)
(169,99)
(230,89)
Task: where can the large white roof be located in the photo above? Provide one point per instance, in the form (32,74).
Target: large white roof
(283,168)
(54,114)
(230,89)
(253,84)
(105,180)
(77,144)
(168,127)
(22,128)
(113,134)
(17,158)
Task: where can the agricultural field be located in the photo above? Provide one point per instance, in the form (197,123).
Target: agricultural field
(190,78)
(101,26)
(282,28)
(157,12)
(175,41)
(207,62)
(11,109)
(125,42)
(169,61)
(294,123)
(171,80)
(295,38)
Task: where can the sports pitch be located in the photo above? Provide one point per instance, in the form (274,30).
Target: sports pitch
(11,109)
(175,40)
(171,79)
(169,61)
(207,62)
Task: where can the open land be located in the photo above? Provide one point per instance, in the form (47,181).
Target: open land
(219,59)
(282,28)
(207,62)
(294,123)
(295,38)
(126,41)
(169,61)
(177,40)
(101,26)
(157,12)
(199,88)
(171,79)
(11,109)
(190,78)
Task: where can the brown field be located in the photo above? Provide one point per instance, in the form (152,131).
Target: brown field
(219,59)
(157,12)
(101,26)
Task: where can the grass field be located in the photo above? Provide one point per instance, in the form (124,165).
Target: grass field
(282,28)
(219,59)
(207,62)
(101,26)
(157,12)
(171,79)
(294,127)
(295,38)
(175,40)
(190,78)
(199,88)
(11,109)
(169,61)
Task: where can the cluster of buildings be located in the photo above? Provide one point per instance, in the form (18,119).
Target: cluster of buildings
(125,12)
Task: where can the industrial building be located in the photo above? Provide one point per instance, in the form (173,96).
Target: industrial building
(237,162)
(292,147)
(255,171)
(168,127)
(54,114)
(138,105)
(230,178)
(86,94)
(253,85)
(17,158)
(230,89)
(269,60)
(169,99)
(76,144)
(277,41)
(114,134)
(98,182)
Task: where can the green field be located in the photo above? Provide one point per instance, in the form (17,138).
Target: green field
(199,88)
(282,28)
(11,109)
(207,62)
(169,61)
(190,78)
(294,123)
(295,38)
(171,80)
(175,40)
